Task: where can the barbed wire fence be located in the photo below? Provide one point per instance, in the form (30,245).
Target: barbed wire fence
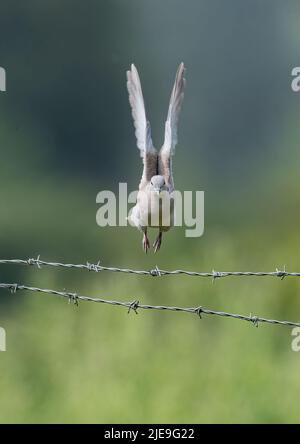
(153,272)
(156,272)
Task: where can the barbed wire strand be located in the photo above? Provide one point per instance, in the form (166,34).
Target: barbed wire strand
(279,273)
(136,305)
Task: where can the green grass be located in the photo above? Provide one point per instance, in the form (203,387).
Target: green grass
(96,363)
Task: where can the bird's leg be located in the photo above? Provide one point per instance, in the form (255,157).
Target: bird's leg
(146,243)
(157,242)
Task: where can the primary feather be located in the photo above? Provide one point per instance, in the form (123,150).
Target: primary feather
(141,124)
(173,113)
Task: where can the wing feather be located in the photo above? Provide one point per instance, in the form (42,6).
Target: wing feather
(173,113)
(168,148)
(141,124)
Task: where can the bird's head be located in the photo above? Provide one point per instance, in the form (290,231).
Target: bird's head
(157,184)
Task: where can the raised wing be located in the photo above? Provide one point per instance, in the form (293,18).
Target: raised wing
(141,124)
(174,109)
(168,148)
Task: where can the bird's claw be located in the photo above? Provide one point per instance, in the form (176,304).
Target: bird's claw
(146,243)
(157,243)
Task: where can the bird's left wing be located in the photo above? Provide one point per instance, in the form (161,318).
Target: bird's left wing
(168,148)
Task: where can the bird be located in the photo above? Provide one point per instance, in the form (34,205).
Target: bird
(156,188)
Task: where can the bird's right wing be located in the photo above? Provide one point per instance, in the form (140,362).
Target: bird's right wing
(141,124)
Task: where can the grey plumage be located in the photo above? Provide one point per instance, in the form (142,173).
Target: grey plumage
(157,184)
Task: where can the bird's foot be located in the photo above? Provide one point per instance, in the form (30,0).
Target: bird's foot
(146,243)
(157,243)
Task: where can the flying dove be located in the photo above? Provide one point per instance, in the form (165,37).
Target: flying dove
(155,203)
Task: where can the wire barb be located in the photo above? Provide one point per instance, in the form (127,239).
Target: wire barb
(14,288)
(155,272)
(93,267)
(281,273)
(254,320)
(133,306)
(216,275)
(73,298)
(198,311)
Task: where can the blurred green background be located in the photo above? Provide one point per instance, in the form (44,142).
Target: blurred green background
(66,133)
